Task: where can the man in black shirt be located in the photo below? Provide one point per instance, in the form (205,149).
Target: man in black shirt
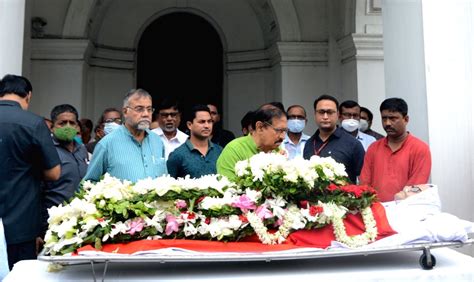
(27,155)
(332,141)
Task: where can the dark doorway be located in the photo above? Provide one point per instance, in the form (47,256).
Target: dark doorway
(180,56)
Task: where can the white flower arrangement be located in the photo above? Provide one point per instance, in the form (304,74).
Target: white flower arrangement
(265,196)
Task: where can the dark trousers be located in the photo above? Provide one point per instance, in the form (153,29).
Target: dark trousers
(21,251)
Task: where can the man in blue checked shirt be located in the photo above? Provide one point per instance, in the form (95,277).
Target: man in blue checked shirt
(130,152)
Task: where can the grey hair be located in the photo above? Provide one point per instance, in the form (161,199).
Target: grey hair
(139,92)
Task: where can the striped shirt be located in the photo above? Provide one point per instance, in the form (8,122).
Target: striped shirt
(122,156)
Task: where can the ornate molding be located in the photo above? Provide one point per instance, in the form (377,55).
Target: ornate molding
(60,49)
(299,53)
(374,7)
(283,53)
(361,47)
(115,58)
(247,60)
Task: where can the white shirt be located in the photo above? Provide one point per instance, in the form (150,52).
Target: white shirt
(294,150)
(365,139)
(173,143)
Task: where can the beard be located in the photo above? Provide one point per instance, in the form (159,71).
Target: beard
(143,125)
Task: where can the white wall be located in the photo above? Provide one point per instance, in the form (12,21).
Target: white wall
(54,83)
(245,93)
(302,85)
(109,88)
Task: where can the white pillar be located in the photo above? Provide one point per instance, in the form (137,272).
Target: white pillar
(429,61)
(12,22)
(449,68)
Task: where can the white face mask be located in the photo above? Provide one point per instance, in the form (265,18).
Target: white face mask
(350,125)
(110,126)
(296,125)
(363,125)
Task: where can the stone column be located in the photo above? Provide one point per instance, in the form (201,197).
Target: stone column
(12,22)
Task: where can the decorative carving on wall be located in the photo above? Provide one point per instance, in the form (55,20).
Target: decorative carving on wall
(37,27)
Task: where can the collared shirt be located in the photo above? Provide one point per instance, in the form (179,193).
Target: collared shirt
(186,160)
(73,169)
(238,149)
(122,156)
(342,147)
(365,139)
(26,151)
(388,172)
(294,150)
(173,143)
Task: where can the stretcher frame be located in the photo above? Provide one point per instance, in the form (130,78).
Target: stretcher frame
(427,261)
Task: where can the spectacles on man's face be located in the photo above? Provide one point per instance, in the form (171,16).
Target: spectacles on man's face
(277,130)
(116,120)
(296,117)
(141,109)
(351,115)
(328,112)
(169,114)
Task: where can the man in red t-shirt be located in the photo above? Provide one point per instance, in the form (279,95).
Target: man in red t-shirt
(398,160)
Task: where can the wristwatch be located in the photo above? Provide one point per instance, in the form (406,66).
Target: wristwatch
(413,189)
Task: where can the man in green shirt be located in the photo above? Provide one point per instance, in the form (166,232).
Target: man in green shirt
(270,127)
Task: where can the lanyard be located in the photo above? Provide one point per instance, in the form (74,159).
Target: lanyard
(318,151)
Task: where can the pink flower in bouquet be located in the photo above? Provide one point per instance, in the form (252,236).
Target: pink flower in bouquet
(181,204)
(244,203)
(136,226)
(172,225)
(263,212)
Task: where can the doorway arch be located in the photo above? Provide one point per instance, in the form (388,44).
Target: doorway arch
(180,56)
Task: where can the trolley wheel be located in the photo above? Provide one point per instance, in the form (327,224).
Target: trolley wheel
(424,262)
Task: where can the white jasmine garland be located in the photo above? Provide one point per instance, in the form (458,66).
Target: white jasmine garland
(283,230)
(358,240)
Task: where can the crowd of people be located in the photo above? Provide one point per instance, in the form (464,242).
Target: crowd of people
(43,160)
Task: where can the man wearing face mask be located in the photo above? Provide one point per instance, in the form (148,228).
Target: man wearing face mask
(131,152)
(295,139)
(73,156)
(110,120)
(349,117)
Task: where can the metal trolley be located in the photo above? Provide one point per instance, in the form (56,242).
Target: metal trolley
(427,261)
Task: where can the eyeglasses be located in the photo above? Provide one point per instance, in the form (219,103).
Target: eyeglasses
(116,120)
(277,130)
(328,112)
(296,117)
(350,115)
(141,109)
(170,114)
